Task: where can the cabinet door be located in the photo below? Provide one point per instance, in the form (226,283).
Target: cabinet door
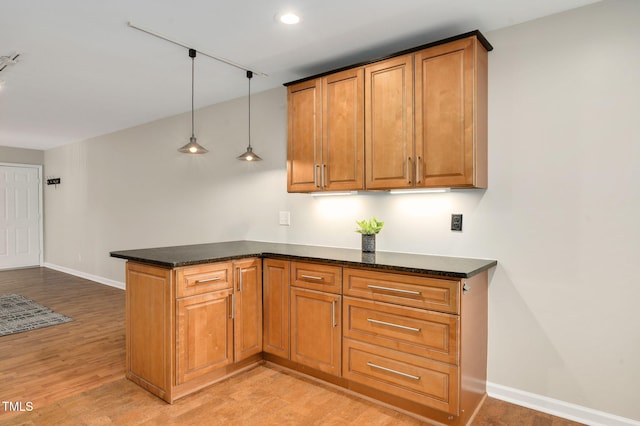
(204,334)
(275,287)
(343,131)
(304,104)
(315,330)
(389,123)
(447,90)
(248,308)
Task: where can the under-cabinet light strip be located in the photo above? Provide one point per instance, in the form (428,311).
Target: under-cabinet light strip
(419,191)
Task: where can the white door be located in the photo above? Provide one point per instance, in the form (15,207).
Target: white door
(19,216)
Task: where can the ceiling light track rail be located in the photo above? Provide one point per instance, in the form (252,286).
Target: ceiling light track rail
(212,56)
(7,60)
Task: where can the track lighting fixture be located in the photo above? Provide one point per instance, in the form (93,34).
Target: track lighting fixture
(193,147)
(249,155)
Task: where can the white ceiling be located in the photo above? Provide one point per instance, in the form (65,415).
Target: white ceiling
(84,72)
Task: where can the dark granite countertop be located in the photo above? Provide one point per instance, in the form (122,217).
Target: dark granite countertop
(172,257)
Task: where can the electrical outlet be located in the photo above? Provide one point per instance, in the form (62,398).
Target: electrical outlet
(456,222)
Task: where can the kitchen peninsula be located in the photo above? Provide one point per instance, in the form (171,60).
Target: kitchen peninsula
(406,329)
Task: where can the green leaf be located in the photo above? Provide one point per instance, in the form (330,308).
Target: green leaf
(369,227)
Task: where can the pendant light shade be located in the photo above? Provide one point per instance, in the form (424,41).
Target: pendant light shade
(193,147)
(249,155)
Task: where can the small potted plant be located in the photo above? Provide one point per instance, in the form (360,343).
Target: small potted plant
(369,229)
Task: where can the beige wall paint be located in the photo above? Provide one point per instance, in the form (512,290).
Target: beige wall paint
(559,214)
(21,155)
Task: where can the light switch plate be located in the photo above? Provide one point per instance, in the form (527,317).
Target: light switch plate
(285,218)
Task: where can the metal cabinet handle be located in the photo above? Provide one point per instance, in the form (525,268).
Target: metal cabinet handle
(396,290)
(409,170)
(389,370)
(240,279)
(418,170)
(324,175)
(390,324)
(315,175)
(232,314)
(312,277)
(333,314)
(208,280)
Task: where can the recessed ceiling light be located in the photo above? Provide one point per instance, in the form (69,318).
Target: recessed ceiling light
(289,18)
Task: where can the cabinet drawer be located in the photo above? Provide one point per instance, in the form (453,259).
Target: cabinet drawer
(410,290)
(192,280)
(416,331)
(317,276)
(430,383)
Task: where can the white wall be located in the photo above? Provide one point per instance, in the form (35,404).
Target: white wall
(559,215)
(21,155)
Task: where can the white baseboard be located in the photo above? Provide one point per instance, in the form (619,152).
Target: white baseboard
(556,407)
(101,280)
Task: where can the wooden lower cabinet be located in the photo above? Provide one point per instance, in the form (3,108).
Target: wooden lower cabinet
(248,308)
(415,378)
(417,342)
(316,330)
(414,341)
(275,290)
(411,330)
(177,345)
(205,334)
(149,327)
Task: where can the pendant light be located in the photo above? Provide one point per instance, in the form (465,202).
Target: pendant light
(249,155)
(192,147)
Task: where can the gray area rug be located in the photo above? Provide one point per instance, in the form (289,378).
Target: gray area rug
(18,314)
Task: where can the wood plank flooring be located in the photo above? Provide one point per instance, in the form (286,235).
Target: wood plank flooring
(73,374)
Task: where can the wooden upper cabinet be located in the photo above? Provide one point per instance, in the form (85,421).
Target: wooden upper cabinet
(424,115)
(326,134)
(343,131)
(304,104)
(389,123)
(451,115)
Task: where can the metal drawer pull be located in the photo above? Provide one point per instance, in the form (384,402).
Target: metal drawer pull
(397,290)
(208,280)
(390,324)
(311,277)
(399,373)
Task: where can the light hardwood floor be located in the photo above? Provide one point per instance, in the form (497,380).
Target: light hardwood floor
(73,374)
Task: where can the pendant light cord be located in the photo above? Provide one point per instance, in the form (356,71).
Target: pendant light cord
(192,54)
(249,75)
